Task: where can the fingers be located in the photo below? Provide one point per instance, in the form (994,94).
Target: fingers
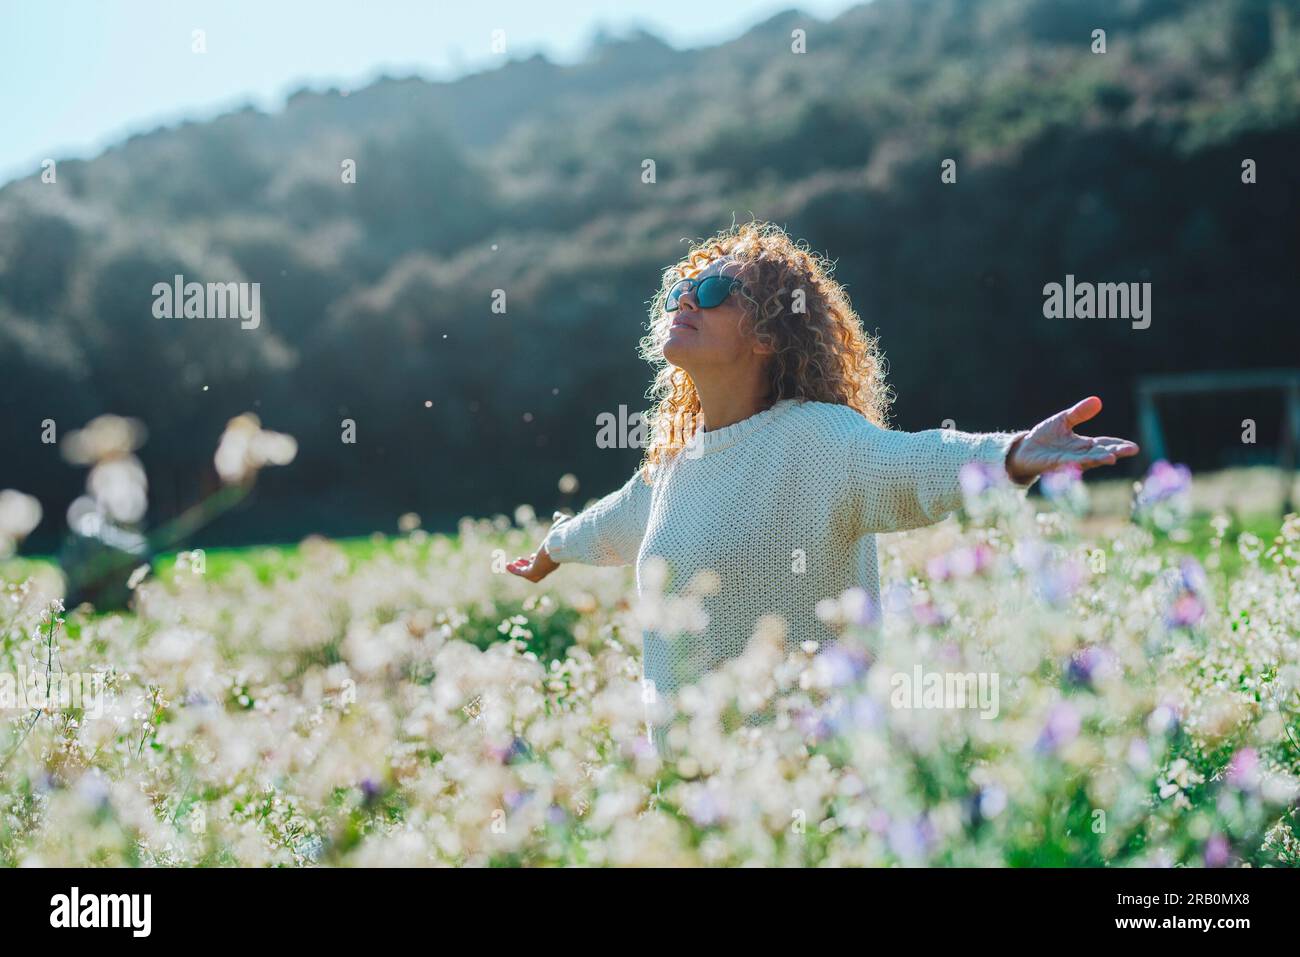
(530,568)
(1095,459)
(1122,448)
(1082,411)
(1105,451)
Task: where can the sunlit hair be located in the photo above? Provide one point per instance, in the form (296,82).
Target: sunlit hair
(821,354)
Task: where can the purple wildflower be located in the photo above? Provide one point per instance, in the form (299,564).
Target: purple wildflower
(1187,605)
(1243,769)
(971,561)
(928,614)
(1059,483)
(703,808)
(814,724)
(1059,580)
(1061,728)
(1218,852)
(908,840)
(518,749)
(842,664)
(1088,665)
(1186,611)
(985,804)
(1192,574)
(641,747)
(92,789)
(977,478)
(1163,482)
(865,712)
(960,562)
(897,598)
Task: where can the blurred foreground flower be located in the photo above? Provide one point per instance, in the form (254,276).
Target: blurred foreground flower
(1243,770)
(116,487)
(1164,496)
(1062,727)
(120,488)
(103,437)
(1064,487)
(19,515)
(987,491)
(105,544)
(854,608)
(1218,851)
(246,448)
(961,562)
(1187,604)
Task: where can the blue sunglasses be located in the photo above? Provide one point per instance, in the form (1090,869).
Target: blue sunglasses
(709,292)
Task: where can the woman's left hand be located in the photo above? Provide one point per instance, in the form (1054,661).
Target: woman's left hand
(1053,444)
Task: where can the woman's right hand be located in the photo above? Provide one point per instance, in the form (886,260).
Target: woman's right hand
(534,567)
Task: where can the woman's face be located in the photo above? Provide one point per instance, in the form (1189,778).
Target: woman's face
(709,338)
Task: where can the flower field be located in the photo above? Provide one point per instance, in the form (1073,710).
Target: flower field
(404,701)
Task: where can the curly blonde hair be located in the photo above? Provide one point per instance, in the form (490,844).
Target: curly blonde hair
(821,354)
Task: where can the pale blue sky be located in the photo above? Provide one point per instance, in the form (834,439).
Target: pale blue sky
(78,75)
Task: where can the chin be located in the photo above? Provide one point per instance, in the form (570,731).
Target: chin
(676,354)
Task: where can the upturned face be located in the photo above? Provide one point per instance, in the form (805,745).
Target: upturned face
(716,337)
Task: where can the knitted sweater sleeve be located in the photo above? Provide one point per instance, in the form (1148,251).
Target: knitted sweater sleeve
(608,532)
(904,480)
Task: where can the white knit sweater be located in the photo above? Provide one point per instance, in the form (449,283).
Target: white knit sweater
(808,479)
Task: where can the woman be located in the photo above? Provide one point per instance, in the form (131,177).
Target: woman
(770,468)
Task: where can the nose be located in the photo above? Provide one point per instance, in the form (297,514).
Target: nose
(686,303)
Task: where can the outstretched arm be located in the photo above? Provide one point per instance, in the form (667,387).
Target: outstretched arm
(903,480)
(609,532)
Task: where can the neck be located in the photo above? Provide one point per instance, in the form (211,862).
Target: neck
(728,399)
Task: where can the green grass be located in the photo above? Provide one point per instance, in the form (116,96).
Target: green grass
(269,561)
(1263,527)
